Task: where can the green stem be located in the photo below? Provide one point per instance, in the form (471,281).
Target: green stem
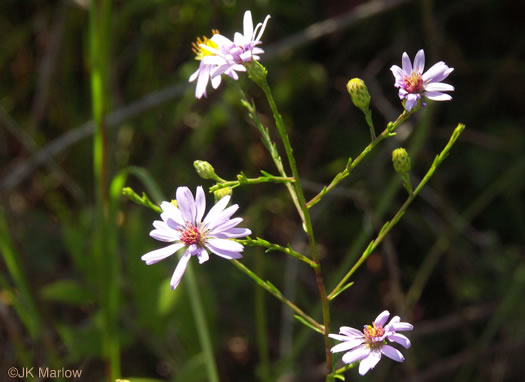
(258,242)
(388,132)
(272,149)
(277,294)
(106,261)
(200,321)
(370,123)
(255,74)
(389,225)
(243,181)
(261,322)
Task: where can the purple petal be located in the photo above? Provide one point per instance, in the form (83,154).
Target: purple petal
(400,339)
(406,64)
(382,317)
(339,337)
(202,81)
(224,253)
(202,255)
(419,62)
(186,204)
(179,270)
(223,217)
(221,40)
(216,209)
(411,101)
(439,86)
(369,362)
(225,244)
(164,235)
(225,226)
(215,82)
(392,353)
(258,38)
(398,73)
(248,25)
(437,73)
(246,56)
(193,77)
(234,233)
(200,202)
(356,355)
(169,211)
(398,326)
(220,70)
(348,331)
(160,254)
(437,96)
(347,345)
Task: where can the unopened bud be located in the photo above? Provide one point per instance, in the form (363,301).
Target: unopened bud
(401,161)
(205,170)
(359,92)
(221,193)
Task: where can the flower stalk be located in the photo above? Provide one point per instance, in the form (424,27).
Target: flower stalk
(389,225)
(255,72)
(388,132)
(243,180)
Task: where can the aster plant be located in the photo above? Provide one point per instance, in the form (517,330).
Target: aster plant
(185,227)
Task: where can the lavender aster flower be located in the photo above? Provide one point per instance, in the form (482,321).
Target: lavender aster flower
(368,346)
(184,226)
(220,55)
(243,49)
(413,83)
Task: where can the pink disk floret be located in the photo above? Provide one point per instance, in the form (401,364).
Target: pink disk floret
(368,346)
(413,83)
(186,227)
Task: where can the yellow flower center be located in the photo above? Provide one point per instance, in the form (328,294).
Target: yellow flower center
(201,51)
(373,332)
(414,83)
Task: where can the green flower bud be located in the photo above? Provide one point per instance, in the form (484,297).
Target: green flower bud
(205,170)
(221,193)
(359,92)
(401,161)
(257,73)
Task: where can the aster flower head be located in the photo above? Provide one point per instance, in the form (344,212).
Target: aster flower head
(220,55)
(413,83)
(369,345)
(185,226)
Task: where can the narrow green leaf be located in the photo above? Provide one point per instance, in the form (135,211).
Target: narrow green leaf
(308,324)
(273,287)
(342,290)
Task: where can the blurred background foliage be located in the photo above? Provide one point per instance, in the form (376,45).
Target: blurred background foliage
(454,266)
